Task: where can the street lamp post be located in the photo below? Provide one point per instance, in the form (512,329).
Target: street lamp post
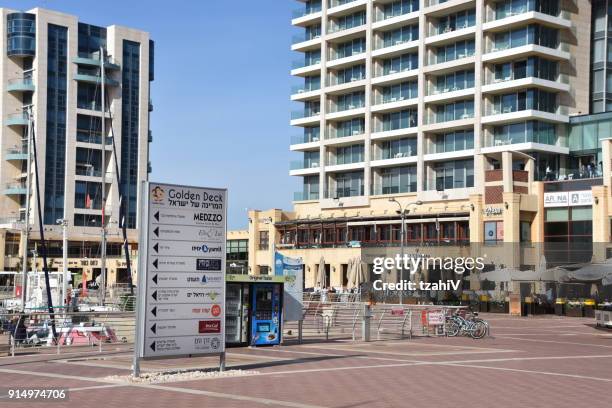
(64,223)
(402,212)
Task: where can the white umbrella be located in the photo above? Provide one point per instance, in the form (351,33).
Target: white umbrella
(321,274)
(591,273)
(350,268)
(360,272)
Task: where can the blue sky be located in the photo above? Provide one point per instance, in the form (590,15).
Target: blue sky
(221,92)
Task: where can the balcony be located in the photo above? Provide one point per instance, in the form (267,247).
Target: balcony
(20,85)
(523,16)
(305,91)
(95,79)
(86,136)
(150,105)
(305,196)
(305,41)
(16,154)
(15,189)
(93,59)
(343,7)
(303,167)
(306,11)
(304,117)
(17,119)
(505,52)
(303,67)
(503,115)
(303,139)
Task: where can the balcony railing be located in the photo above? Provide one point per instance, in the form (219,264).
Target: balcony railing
(301,114)
(306,11)
(299,38)
(493,110)
(17,119)
(303,164)
(298,89)
(336,3)
(382,190)
(21,84)
(299,139)
(304,196)
(87,170)
(387,155)
(302,63)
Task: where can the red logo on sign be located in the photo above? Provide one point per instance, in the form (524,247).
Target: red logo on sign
(215,310)
(209,326)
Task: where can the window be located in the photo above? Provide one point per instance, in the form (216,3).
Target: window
(458,50)
(454,141)
(400,7)
(350,128)
(350,48)
(264,270)
(454,111)
(454,81)
(399,120)
(401,35)
(493,231)
(237,249)
(453,174)
(393,149)
(349,154)
(525,227)
(263,240)
(405,62)
(348,185)
(398,180)
(400,92)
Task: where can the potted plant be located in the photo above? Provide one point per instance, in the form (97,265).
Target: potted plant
(574,308)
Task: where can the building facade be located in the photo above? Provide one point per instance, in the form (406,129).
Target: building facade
(50,67)
(468,117)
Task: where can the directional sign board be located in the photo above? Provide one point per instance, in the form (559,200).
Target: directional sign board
(181,308)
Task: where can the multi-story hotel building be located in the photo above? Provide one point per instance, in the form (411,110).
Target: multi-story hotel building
(470,117)
(50,66)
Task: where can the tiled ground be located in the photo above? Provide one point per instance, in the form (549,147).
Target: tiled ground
(537,362)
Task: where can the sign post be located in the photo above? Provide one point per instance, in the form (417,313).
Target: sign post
(181,268)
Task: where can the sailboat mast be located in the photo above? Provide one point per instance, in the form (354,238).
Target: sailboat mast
(102,289)
(26,221)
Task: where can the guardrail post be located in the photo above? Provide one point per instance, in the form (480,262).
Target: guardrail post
(365,322)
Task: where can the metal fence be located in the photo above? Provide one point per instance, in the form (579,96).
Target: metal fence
(329,320)
(75,332)
(114,328)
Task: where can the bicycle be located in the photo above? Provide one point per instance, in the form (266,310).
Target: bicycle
(472,326)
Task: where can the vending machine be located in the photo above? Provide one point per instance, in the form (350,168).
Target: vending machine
(266,314)
(253,315)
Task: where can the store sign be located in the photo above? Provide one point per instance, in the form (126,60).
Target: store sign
(491,211)
(568,199)
(182,309)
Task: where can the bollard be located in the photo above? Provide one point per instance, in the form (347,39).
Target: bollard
(365,322)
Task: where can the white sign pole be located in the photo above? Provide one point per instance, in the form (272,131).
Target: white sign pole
(181,296)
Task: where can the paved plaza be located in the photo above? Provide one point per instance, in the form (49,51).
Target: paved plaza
(537,362)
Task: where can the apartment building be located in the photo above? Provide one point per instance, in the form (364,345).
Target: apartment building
(50,69)
(467,118)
